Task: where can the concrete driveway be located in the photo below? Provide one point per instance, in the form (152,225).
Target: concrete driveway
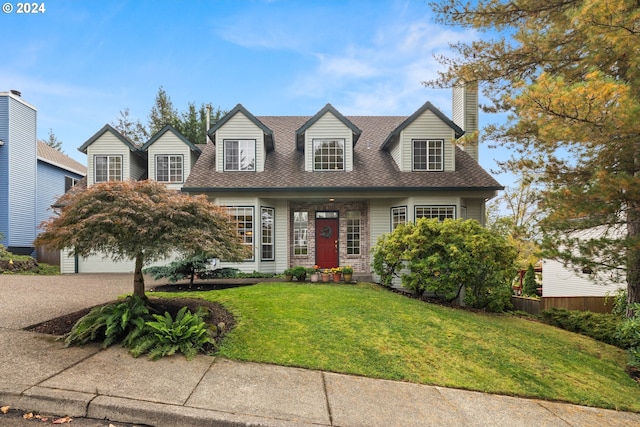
(28,300)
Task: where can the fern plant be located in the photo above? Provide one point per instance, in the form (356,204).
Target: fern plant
(110,323)
(165,336)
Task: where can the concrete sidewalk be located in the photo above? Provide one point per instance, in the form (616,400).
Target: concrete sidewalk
(39,374)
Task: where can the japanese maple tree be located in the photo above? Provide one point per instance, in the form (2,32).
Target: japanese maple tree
(143,221)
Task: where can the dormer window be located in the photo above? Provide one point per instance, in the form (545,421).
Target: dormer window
(240,155)
(108,168)
(168,168)
(428,154)
(328,154)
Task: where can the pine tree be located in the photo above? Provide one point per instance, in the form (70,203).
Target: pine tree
(568,74)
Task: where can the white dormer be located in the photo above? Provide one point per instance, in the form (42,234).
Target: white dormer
(424,142)
(170,157)
(112,157)
(327,140)
(242,142)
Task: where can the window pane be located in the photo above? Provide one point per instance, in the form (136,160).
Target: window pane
(353,233)
(398,216)
(108,168)
(243,219)
(428,154)
(240,155)
(439,212)
(300,225)
(328,154)
(267,217)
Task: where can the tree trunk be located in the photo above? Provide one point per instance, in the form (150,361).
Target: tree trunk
(138,279)
(633,258)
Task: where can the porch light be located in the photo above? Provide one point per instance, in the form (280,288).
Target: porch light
(332,199)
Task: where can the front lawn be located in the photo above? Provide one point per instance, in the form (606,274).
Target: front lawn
(367,330)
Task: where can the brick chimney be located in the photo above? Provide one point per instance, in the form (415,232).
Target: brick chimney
(465,112)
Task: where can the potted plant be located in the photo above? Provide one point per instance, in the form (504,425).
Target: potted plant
(337,273)
(300,273)
(326,274)
(288,274)
(315,273)
(347,273)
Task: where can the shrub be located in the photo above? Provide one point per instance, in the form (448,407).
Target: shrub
(164,336)
(628,333)
(600,326)
(221,273)
(530,286)
(109,323)
(444,257)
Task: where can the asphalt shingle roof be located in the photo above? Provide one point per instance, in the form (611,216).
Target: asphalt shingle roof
(57,158)
(373,168)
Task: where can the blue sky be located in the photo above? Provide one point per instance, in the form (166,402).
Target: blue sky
(82,62)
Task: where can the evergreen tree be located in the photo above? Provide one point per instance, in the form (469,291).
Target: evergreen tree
(530,286)
(53,141)
(568,74)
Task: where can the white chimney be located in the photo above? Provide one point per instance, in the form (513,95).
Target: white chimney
(465,112)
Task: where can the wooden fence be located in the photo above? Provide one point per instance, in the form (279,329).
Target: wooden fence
(594,304)
(534,306)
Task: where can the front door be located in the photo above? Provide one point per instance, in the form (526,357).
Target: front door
(327,242)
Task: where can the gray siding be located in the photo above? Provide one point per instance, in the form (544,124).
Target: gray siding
(329,126)
(170,144)
(51,182)
(240,127)
(427,126)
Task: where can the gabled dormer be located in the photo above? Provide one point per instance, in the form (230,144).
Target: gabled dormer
(327,140)
(113,157)
(170,157)
(424,142)
(242,142)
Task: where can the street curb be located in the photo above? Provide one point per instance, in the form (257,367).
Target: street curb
(163,415)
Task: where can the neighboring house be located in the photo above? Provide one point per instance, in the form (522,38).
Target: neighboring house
(320,190)
(32,174)
(563,286)
(167,157)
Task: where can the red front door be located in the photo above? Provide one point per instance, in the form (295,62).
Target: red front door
(327,242)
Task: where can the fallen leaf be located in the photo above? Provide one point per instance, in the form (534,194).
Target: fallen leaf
(28,416)
(63,420)
(5,409)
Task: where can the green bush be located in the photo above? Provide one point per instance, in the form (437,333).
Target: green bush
(221,273)
(628,333)
(530,286)
(164,336)
(443,257)
(600,326)
(109,323)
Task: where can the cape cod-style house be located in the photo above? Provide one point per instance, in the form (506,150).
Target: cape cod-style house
(314,190)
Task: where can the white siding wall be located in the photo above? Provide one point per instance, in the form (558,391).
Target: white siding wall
(427,126)
(396,155)
(170,144)
(328,126)
(109,144)
(558,281)
(240,127)
(475,210)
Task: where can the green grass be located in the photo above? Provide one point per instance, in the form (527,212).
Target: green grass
(367,330)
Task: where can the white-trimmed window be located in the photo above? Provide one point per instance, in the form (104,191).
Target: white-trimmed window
(69,182)
(428,154)
(353,233)
(107,168)
(439,212)
(242,218)
(240,154)
(328,154)
(398,216)
(300,227)
(267,217)
(169,168)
